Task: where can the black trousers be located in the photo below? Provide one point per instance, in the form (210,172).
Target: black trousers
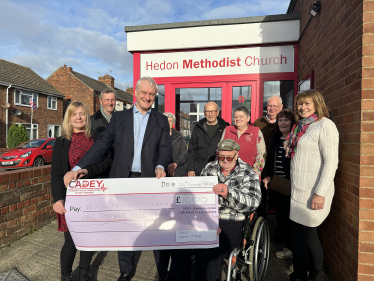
(126,259)
(180,265)
(283,230)
(262,209)
(67,255)
(208,261)
(308,252)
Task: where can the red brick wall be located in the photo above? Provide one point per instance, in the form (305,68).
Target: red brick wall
(25,202)
(334,47)
(69,85)
(41,116)
(109,80)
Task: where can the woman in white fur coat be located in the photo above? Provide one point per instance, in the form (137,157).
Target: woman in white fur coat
(313,146)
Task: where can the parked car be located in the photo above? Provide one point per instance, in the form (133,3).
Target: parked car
(30,153)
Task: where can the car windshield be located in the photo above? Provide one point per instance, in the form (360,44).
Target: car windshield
(32,144)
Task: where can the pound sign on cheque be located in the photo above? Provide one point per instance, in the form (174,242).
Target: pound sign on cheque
(75,209)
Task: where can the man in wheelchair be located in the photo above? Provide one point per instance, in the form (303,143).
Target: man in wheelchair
(239,194)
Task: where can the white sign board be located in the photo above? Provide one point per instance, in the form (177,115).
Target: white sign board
(219,62)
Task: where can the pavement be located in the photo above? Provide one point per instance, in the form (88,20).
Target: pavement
(37,257)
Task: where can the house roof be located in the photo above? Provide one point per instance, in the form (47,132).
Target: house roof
(99,86)
(25,78)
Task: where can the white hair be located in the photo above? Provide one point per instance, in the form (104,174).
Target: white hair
(170,115)
(279,98)
(150,80)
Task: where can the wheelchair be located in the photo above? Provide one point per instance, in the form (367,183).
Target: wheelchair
(253,252)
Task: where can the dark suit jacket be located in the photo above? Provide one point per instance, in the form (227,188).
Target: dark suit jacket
(60,166)
(156,149)
(98,122)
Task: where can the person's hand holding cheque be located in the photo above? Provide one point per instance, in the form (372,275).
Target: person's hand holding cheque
(160,173)
(221,189)
(74,175)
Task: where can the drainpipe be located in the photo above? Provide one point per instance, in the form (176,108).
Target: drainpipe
(6,116)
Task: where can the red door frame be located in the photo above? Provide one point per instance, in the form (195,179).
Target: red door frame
(259,78)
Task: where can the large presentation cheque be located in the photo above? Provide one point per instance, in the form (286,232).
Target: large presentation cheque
(143,214)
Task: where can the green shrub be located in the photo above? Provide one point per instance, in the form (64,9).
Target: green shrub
(16,135)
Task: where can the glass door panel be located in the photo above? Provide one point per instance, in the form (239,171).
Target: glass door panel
(243,93)
(241,96)
(189,106)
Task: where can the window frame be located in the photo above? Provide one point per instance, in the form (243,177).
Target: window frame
(49,126)
(52,98)
(35,126)
(21,92)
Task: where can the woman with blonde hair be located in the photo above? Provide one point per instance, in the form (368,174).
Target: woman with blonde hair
(77,138)
(312,146)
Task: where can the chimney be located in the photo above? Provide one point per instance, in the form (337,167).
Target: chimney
(69,69)
(130,90)
(109,80)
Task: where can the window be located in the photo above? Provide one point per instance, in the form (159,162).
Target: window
(189,106)
(159,104)
(23,98)
(54,131)
(284,89)
(52,103)
(28,130)
(51,142)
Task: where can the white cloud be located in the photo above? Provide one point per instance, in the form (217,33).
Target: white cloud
(89,35)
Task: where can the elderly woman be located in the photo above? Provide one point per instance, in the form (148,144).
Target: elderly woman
(313,148)
(239,193)
(177,169)
(278,165)
(76,140)
(250,139)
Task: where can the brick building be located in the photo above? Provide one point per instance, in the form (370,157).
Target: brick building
(336,56)
(78,87)
(333,53)
(17,85)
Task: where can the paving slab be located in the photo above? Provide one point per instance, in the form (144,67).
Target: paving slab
(37,257)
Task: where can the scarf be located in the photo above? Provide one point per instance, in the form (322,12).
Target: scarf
(298,130)
(106,116)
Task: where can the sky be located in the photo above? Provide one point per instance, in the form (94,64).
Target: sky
(89,35)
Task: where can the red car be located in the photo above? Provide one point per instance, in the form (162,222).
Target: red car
(30,153)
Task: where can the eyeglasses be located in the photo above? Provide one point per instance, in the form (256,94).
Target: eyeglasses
(210,111)
(273,106)
(228,158)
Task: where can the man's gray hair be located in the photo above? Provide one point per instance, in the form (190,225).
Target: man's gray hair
(170,115)
(150,80)
(107,91)
(276,96)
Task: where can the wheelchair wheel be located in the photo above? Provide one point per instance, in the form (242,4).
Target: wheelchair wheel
(259,253)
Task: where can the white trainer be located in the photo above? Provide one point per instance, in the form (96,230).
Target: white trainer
(285,254)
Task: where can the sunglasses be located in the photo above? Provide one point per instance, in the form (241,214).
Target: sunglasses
(228,158)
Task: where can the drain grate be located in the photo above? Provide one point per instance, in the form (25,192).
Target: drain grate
(12,275)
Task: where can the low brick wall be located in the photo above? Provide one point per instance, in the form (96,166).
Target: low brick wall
(25,202)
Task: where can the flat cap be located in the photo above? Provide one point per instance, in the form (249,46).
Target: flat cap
(228,145)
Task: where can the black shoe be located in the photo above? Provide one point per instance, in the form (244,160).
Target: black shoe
(317,275)
(66,277)
(84,274)
(294,278)
(124,277)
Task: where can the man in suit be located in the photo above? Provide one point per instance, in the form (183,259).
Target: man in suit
(101,118)
(143,148)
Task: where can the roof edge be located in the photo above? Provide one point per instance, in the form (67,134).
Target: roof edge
(291,6)
(257,19)
(32,90)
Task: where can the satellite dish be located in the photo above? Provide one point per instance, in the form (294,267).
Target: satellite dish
(17,112)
